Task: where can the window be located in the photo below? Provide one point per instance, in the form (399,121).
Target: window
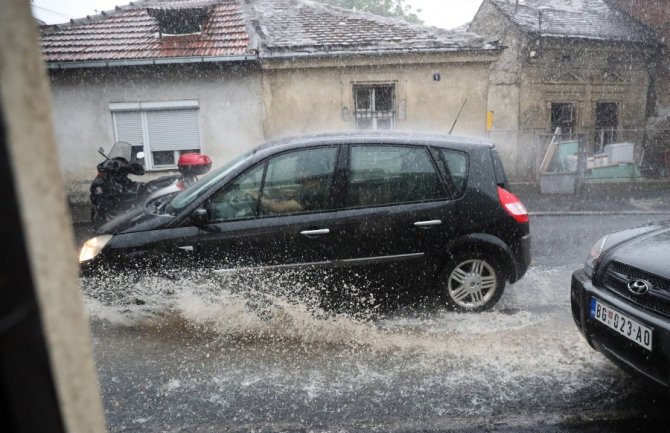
(454,167)
(239,200)
(385,175)
(162,130)
(374,106)
(299,181)
(182,21)
(607,123)
(563,116)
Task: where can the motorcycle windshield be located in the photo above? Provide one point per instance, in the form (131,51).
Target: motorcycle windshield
(121,149)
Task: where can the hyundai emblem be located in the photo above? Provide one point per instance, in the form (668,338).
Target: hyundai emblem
(639,287)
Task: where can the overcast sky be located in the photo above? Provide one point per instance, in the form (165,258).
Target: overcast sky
(439,13)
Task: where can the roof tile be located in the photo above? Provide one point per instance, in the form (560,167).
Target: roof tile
(131,33)
(294,27)
(585,19)
(284,28)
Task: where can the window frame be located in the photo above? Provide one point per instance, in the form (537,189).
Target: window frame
(143,108)
(333,201)
(447,178)
(447,194)
(372,113)
(559,108)
(225,189)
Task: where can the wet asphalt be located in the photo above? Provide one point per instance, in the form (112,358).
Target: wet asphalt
(179,361)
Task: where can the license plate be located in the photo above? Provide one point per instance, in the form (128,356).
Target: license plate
(621,323)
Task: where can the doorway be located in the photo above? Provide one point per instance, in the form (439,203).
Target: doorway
(607,123)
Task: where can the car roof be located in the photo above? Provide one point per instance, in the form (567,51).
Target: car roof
(377,137)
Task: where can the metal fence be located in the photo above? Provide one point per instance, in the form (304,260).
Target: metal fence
(591,153)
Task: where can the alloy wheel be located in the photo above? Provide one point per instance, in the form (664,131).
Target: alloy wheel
(472,284)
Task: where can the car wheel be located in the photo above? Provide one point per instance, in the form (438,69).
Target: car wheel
(472,282)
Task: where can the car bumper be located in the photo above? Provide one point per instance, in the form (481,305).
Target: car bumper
(653,365)
(522,257)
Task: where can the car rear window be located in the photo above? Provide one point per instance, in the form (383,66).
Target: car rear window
(501,177)
(455,168)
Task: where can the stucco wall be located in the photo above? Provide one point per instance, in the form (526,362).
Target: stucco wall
(319,98)
(505,88)
(523,85)
(230,107)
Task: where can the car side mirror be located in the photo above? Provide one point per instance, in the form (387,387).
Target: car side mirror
(200,216)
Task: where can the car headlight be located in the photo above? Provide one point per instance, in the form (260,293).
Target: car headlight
(92,247)
(594,255)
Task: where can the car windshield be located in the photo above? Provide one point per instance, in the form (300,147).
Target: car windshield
(186,197)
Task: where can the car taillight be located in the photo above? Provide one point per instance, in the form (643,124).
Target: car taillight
(513,205)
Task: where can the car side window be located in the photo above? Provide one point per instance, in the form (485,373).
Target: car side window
(454,165)
(299,182)
(238,200)
(391,174)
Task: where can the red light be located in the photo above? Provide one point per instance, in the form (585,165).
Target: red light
(513,205)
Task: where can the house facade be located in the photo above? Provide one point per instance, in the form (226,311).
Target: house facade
(221,76)
(578,65)
(655,14)
(125,75)
(342,70)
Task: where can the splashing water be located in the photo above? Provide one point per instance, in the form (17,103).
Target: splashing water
(279,307)
(266,348)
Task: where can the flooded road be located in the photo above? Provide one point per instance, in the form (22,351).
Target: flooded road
(212,355)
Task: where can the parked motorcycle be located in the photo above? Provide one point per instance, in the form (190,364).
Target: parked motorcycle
(112,192)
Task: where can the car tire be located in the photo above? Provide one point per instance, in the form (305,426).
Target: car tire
(472,282)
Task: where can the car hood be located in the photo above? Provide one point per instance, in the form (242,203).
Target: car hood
(136,220)
(649,251)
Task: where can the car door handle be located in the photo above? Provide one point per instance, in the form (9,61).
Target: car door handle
(428,223)
(315,232)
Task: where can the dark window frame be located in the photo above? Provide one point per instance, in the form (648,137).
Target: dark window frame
(372,112)
(333,200)
(445,172)
(329,203)
(443,192)
(556,112)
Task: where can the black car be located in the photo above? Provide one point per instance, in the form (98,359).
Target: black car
(414,207)
(621,300)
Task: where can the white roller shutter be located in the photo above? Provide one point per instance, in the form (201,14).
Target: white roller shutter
(129,127)
(173,129)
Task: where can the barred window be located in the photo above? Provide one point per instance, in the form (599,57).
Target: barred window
(374,106)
